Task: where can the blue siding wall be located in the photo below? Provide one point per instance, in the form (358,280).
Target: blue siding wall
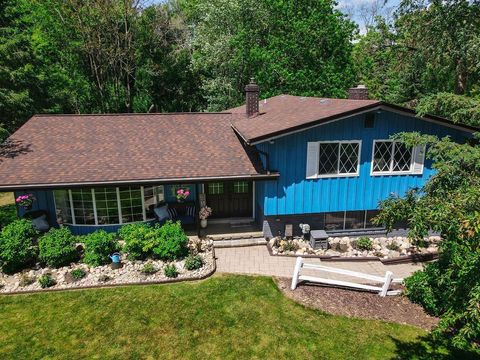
(44,201)
(292,193)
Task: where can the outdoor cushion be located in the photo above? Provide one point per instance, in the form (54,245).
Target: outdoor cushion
(41,224)
(191,211)
(172,213)
(162,212)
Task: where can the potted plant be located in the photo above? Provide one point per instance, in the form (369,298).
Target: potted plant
(204,213)
(25,201)
(182,194)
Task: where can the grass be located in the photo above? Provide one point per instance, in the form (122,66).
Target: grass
(228,317)
(6,198)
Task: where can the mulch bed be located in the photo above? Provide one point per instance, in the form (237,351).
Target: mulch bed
(359,304)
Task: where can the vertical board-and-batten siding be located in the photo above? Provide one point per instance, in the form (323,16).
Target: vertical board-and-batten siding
(293,193)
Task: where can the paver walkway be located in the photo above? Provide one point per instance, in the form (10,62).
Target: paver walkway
(257,260)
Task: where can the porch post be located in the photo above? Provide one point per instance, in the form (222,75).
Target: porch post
(197,208)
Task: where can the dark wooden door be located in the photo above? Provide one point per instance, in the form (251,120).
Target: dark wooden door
(230,198)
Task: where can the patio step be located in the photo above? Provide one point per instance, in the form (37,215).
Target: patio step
(236,236)
(239,243)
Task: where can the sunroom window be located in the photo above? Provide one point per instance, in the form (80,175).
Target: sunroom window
(107,206)
(392,157)
(333,158)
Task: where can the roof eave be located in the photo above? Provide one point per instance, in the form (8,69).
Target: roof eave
(12,187)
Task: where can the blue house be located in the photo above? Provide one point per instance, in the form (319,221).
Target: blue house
(282,160)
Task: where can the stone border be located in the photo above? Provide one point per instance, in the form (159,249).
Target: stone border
(400,260)
(104,286)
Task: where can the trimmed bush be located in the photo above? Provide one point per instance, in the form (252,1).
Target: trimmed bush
(149,269)
(171,243)
(139,240)
(8,214)
(58,247)
(99,245)
(167,242)
(193,262)
(46,281)
(78,274)
(170,271)
(26,280)
(363,243)
(17,248)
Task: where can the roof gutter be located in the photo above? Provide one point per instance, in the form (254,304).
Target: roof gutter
(268,176)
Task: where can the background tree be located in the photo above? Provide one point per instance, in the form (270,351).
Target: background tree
(295,47)
(449,203)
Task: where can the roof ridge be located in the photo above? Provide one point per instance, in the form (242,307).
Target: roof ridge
(135,114)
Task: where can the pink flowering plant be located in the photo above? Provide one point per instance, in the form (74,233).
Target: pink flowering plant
(183,194)
(25,200)
(205,212)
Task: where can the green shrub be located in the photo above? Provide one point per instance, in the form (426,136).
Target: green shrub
(419,290)
(149,269)
(8,214)
(393,246)
(58,247)
(171,241)
(167,242)
(46,281)
(78,274)
(17,248)
(26,280)
(289,245)
(170,271)
(363,243)
(193,262)
(139,240)
(99,245)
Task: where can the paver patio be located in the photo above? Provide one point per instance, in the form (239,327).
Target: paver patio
(257,260)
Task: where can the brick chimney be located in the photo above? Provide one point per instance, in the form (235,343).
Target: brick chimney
(252,94)
(358,93)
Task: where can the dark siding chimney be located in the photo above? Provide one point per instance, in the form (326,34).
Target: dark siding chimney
(252,92)
(358,93)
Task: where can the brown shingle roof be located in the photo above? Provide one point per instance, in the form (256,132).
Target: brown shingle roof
(70,149)
(287,113)
(284,114)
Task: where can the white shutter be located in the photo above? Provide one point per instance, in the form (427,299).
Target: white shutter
(418,159)
(312,160)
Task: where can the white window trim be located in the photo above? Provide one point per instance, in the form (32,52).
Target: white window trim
(391,172)
(340,175)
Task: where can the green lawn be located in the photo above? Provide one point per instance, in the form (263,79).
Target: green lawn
(228,317)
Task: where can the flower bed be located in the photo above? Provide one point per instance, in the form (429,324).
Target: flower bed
(59,260)
(356,247)
(131,272)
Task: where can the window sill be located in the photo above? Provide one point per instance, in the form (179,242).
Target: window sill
(333,176)
(395,173)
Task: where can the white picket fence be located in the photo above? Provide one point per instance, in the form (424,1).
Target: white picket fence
(382,291)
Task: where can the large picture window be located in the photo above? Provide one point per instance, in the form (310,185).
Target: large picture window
(333,159)
(392,157)
(108,205)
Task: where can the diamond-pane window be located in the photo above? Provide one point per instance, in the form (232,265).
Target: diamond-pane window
(391,157)
(338,158)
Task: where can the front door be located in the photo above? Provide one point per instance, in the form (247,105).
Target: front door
(230,198)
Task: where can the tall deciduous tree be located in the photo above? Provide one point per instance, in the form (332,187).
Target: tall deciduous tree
(296,47)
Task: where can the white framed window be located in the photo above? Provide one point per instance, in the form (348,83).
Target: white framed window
(391,157)
(240,187)
(333,159)
(215,188)
(108,205)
